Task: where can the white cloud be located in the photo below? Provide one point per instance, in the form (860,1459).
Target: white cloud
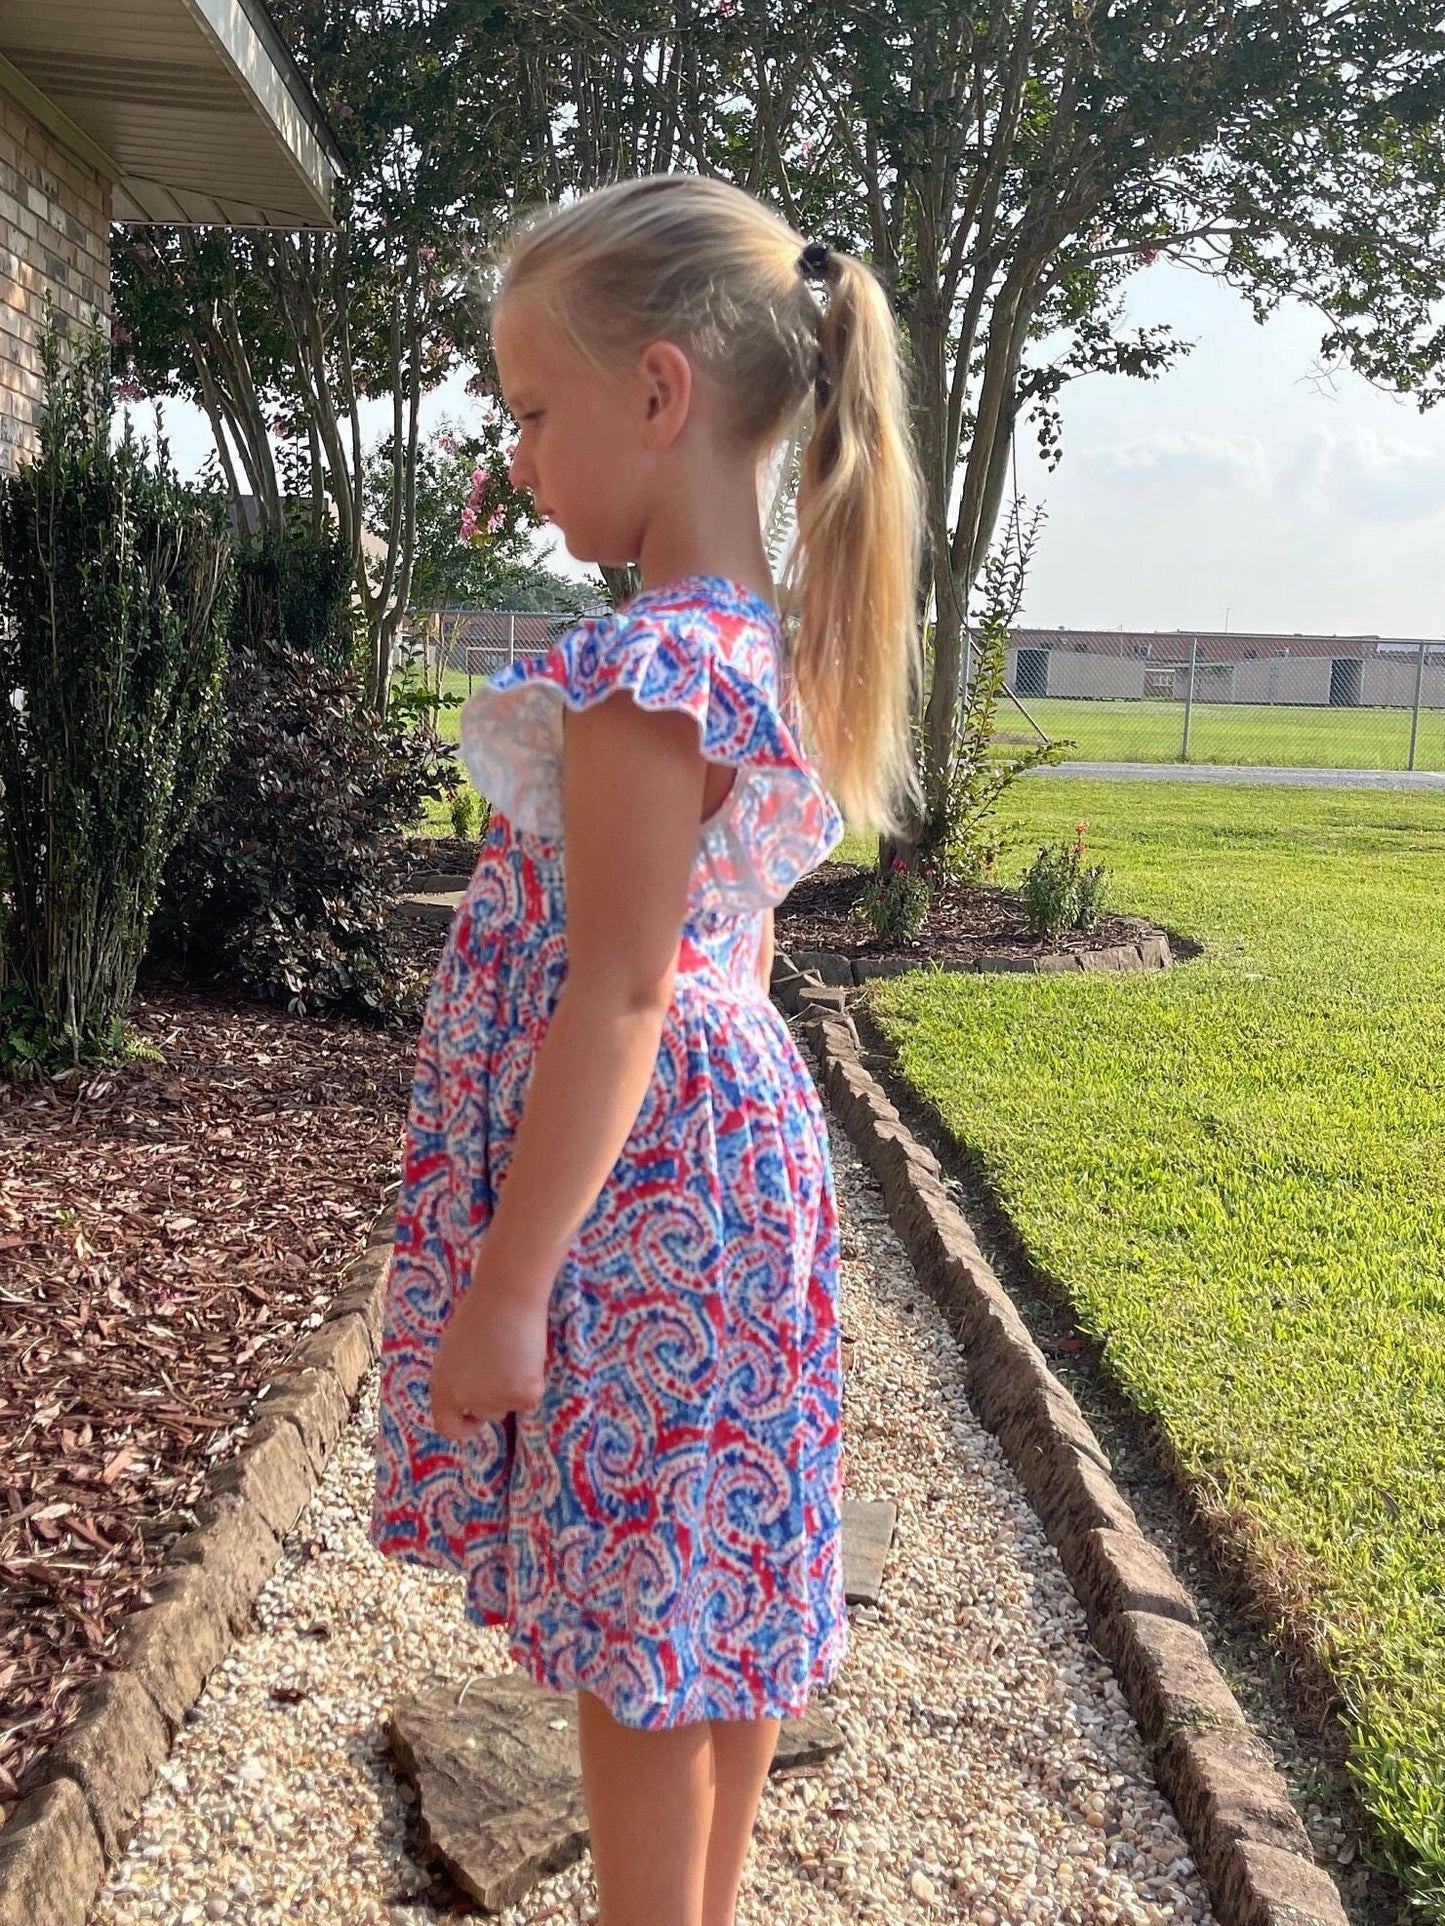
(1358,470)
(1180,462)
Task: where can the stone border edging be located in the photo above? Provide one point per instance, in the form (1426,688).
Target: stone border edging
(1146,953)
(1248,1841)
(63,1836)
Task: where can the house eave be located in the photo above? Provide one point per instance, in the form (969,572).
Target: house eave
(192,109)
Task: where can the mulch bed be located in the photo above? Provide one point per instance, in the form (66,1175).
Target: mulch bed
(452,855)
(167,1231)
(963,923)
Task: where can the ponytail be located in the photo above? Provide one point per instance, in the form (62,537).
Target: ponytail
(854,572)
(695,260)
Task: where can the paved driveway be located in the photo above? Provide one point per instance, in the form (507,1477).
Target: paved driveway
(1239,772)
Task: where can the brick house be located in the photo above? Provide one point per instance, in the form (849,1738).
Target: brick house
(175,111)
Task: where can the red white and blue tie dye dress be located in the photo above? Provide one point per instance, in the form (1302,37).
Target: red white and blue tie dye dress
(664,1529)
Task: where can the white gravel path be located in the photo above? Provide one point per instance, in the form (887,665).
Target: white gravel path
(991,1772)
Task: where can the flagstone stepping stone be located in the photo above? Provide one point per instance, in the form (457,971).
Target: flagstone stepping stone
(867,1534)
(499,1778)
(436,907)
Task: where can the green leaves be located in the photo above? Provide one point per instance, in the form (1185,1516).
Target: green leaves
(115,588)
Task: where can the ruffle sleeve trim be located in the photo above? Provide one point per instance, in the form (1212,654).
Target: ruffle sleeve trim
(716,663)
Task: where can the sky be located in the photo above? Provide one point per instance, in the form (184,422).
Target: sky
(1240,491)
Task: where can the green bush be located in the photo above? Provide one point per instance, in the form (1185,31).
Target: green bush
(896,902)
(465,811)
(296,589)
(115,589)
(1060,891)
(290,873)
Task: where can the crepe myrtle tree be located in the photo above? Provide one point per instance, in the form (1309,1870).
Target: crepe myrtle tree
(461,492)
(292,334)
(1007,167)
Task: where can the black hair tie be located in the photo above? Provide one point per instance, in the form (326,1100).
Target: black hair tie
(814,260)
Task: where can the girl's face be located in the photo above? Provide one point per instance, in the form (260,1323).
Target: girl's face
(581,448)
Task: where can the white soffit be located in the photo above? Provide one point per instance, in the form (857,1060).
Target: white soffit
(194,108)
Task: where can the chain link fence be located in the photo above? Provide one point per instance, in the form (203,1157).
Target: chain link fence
(1336,702)
(465,646)
(1324,702)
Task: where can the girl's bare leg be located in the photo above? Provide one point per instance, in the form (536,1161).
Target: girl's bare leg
(742,1753)
(649,1809)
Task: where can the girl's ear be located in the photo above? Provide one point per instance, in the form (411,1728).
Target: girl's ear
(667,393)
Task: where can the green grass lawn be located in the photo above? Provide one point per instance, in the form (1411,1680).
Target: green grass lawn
(1237,1172)
(455,682)
(1292,738)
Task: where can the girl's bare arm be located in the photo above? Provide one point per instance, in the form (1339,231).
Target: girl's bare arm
(765,954)
(632,801)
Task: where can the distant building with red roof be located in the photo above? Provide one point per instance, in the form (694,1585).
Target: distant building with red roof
(1340,671)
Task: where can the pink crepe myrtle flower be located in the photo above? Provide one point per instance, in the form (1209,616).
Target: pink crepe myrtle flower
(473,529)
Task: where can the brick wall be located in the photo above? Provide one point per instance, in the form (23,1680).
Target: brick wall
(54,234)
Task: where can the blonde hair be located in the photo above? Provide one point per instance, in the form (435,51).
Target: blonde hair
(683,258)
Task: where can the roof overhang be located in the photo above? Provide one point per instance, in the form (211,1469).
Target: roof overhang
(193,109)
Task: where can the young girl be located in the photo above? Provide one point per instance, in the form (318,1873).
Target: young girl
(611,1382)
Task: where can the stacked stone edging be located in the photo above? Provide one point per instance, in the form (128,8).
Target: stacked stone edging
(833,967)
(1248,1841)
(66,1832)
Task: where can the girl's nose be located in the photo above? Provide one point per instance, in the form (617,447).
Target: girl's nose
(519,472)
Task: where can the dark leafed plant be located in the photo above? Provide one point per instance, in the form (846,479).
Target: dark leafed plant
(289,875)
(115,586)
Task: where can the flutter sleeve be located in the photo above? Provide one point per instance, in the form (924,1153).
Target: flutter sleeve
(778,821)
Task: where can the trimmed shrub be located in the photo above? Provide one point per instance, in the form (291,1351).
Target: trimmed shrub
(896,902)
(115,590)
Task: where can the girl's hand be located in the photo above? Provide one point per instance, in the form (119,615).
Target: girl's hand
(492,1358)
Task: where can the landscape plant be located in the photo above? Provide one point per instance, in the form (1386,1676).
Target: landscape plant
(289,876)
(293,585)
(896,901)
(115,589)
(1061,890)
(453,465)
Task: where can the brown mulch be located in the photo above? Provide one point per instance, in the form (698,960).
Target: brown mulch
(166,1232)
(964,923)
(451,855)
